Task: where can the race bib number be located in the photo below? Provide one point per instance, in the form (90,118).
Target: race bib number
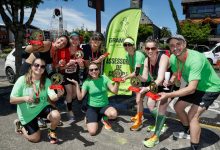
(70,70)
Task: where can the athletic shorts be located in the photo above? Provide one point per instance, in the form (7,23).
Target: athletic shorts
(95,114)
(32,126)
(74,76)
(200,98)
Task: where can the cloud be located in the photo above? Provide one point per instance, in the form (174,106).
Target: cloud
(72,19)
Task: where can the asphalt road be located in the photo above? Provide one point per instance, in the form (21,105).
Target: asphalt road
(75,135)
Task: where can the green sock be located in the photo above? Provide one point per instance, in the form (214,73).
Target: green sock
(159,124)
(154,113)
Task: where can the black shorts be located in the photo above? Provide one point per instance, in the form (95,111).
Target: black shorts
(200,98)
(74,76)
(32,126)
(95,114)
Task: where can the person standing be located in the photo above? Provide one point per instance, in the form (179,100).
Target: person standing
(203,87)
(97,87)
(136,60)
(31,93)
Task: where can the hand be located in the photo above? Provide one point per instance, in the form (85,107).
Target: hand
(81,63)
(60,92)
(163,96)
(167,83)
(28,99)
(144,90)
(72,80)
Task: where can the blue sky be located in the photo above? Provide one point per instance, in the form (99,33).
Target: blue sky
(76,13)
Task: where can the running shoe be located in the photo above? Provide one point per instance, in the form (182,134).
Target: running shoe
(181,135)
(52,137)
(18,126)
(151,142)
(106,124)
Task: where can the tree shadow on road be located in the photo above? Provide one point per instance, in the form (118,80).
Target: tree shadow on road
(5,107)
(68,134)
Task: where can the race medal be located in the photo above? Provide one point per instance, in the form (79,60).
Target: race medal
(117,73)
(36,38)
(153,91)
(153,87)
(177,83)
(56,80)
(79,55)
(135,84)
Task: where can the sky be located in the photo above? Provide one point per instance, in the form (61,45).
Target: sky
(77,14)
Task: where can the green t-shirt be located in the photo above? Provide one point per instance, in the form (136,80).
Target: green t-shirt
(97,91)
(24,111)
(198,68)
(133,61)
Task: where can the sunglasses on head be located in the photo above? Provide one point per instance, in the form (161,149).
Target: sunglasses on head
(127,44)
(150,48)
(93,69)
(38,65)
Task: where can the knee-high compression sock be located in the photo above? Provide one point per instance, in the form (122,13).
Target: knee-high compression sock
(159,124)
(154,113)
(69,106)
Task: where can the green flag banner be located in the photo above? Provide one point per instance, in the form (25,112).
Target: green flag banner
(123,24)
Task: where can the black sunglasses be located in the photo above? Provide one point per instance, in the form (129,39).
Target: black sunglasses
(38,65)
(127,44)
(152,48)
(95,69)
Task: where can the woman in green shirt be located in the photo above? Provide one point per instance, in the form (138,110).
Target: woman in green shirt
(31,93)
(97,87)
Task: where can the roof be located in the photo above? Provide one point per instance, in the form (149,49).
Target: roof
(195,1)
(205,20)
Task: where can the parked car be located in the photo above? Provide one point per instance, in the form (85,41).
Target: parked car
(199,48)
(213,55)
(10,66)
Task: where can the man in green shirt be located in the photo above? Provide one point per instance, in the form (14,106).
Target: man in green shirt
(203,87)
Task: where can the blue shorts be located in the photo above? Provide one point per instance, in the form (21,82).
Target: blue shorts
(95,114)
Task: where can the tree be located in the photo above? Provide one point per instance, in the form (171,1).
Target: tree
(12,13)
(173,10)
(165,32)
(195,33)
(144,31)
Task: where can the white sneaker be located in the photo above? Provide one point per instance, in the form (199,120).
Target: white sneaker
(181,135)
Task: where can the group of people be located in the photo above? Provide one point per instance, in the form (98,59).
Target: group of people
(83,80)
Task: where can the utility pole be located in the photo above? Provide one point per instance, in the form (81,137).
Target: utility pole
(99,6)
(98,16)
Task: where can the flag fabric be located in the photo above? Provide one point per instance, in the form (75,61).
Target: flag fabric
(123,24)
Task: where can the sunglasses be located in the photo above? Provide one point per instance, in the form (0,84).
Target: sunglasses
(38,65)
(150,48)
(96,39)
(94,69)
(127,44)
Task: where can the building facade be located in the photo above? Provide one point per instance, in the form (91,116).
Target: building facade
(204,11)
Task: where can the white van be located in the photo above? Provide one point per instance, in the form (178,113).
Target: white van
(214,54)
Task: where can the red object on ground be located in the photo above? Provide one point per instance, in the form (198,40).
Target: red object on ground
(106,54)
(117,79)
(152,95)
(56,87)
(134,89)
